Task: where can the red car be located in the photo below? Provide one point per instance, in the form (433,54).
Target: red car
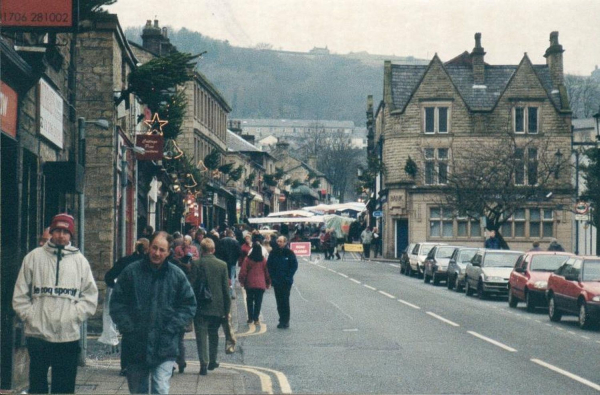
(528,281)
(574,289)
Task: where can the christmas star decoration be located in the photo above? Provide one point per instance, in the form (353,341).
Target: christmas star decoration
(155,124)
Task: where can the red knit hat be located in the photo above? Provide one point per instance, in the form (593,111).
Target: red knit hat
(63,221)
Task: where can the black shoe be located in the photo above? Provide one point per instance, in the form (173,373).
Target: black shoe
(203,370)
(213,365)
(283,326)
(123,372)
(182,367)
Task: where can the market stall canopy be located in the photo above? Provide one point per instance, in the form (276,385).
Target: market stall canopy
(276,220)
(326,208)
(292,213)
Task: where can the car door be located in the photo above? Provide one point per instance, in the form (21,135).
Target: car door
(519,279)
(572,288)
(413,256)
(473,271)
(429,260)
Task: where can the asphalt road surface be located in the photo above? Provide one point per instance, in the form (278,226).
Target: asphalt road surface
(361,327)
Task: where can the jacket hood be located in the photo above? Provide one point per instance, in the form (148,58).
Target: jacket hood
(52,248)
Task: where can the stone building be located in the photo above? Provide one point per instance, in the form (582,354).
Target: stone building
(104,61)
(430,112)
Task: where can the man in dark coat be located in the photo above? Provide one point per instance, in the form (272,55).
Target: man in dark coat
(231,252)
(282,264)
(212,272)
(151,304)
(492,242)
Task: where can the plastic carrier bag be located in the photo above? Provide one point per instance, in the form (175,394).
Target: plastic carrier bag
(109,335)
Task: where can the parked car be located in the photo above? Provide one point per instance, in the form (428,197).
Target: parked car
(436,263)
(488,272)
(404,258)
(574,289)
(457,265)
(529,279)
(417,257)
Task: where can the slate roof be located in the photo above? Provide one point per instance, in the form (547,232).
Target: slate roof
(237,144)
(406,79)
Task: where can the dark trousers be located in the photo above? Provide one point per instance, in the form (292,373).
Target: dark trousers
(376,247)
(181,357)
(282,297)
(125,352)
(207,331)
(254,299)
(366,250)
(62,357)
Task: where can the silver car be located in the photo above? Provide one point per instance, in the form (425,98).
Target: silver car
(436,263)
(489,272)
(457,267)
(417,258)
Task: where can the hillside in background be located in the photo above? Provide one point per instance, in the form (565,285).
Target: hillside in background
(264,83)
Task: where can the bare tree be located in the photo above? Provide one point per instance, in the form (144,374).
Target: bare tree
(584,95)
(312,140)
(494,182)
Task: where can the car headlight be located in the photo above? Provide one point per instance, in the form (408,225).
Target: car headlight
(596,298)
(493,278)
(540,284)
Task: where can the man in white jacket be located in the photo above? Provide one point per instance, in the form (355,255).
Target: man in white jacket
(55,292)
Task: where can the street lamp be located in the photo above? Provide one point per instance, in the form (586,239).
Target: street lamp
(81,123)
(136,150)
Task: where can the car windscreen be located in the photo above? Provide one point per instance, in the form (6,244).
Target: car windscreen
(467,255)
(425,249)
(500,259)
(591,270)
(547,263)
(445,252)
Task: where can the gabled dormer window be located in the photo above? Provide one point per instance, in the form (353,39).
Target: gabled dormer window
(526,119)
(436,118)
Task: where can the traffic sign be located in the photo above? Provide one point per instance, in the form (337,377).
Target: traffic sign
(377,214)
(582,217)
(582,207)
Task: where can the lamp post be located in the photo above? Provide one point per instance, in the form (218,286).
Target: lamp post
(81,124)
(137,150)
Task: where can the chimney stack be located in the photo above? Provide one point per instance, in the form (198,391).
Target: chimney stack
(554,60)
(156,40)
(478,62)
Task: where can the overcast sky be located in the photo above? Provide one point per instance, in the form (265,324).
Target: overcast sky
(419,28)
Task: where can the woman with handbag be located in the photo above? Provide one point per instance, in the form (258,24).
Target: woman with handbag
(254,277)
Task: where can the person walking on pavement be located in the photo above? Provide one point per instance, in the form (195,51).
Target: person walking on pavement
(555,246)
(141,249)
(376,243)
(151,304)
(55,292)
(213,272)
(282,265)
(366,237)
(186,248)
(492,242)
(254,277)
(231,252)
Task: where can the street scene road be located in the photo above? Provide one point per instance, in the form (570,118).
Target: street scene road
(360,327)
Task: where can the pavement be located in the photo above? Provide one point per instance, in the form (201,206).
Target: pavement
(100,375)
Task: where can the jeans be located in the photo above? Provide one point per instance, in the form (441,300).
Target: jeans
(207,331)
(139,374)
(232,274)
(282,297)
(62,357)
(254,299)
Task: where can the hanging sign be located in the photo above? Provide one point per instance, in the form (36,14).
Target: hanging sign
(8,110)
(152,144)
(51,114)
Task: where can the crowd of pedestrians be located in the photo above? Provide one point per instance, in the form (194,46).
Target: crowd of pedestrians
(171,284)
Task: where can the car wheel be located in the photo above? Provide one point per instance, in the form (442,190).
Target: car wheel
(436,280)
(512,300)
(426,278)
(449,283)
(468,289)
(420,274)
(584,318)
(553,312)
(529,302)
(457,285)
(480,294)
